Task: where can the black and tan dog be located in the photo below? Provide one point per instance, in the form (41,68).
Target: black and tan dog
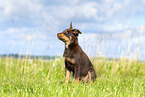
(76,61)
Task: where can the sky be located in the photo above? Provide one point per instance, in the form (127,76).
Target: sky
(110,28)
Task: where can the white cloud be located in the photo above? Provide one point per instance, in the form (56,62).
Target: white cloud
(20,8)
(87,11)
(45,17)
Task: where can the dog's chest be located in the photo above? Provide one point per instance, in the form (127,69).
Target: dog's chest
(70,60)
(70,63)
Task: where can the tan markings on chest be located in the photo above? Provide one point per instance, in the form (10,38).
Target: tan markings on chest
(70,60)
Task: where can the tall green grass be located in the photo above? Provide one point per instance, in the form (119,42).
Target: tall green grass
(45,78)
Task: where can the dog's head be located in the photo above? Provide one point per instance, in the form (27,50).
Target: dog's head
(69,36)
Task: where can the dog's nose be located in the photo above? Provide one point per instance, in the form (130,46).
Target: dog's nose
(58,35)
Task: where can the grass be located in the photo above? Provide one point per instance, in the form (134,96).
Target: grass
(40,78)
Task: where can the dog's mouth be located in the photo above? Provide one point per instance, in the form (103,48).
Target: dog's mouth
(62,39)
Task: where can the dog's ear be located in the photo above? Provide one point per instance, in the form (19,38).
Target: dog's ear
(76,32)
(70,27)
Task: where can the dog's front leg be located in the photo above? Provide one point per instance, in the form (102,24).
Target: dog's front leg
(77,75)
(67,75)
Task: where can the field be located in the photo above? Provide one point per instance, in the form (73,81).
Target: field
(45,78)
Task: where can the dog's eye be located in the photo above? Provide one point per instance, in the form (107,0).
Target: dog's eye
(66,33)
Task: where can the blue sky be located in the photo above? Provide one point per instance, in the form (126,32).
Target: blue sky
(109,27)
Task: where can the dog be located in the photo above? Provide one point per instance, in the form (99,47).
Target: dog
(76,61)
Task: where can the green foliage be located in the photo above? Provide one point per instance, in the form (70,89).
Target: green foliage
(37,78)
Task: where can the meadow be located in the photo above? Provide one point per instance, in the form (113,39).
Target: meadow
(24,77)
